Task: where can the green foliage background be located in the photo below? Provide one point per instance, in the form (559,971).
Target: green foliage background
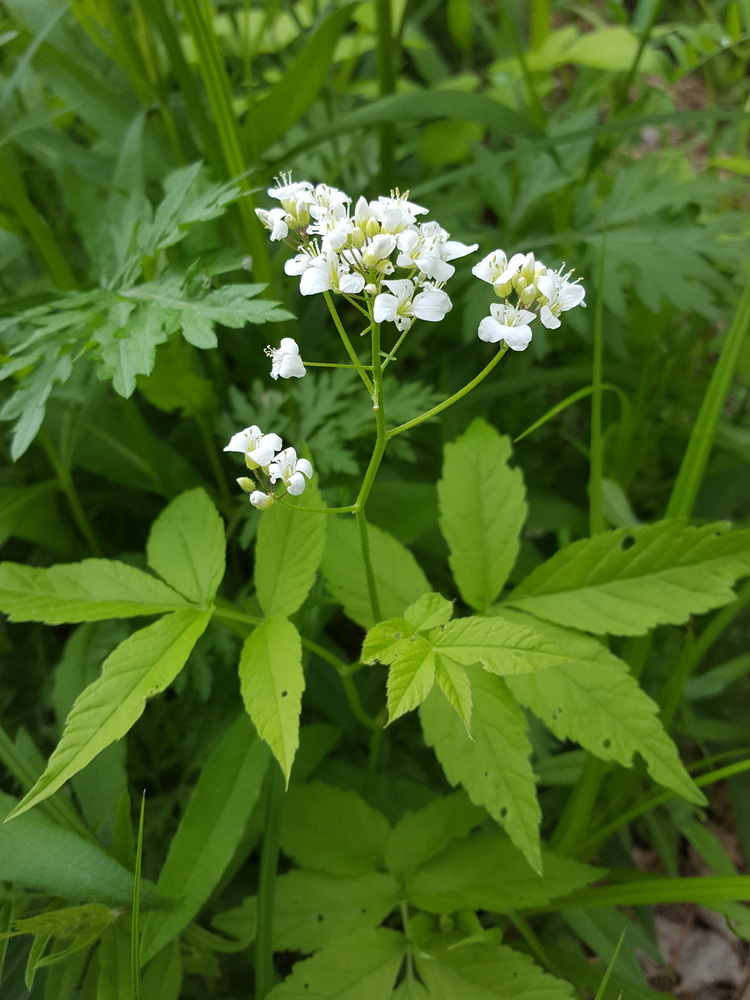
(137,292)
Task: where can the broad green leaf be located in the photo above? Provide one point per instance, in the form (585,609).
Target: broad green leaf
(315,909)
(398,578)
(628,581)
(493,766)
(360,966)
(209,832)
(502,647)
(482,510)
(38,854)
(332,830)
(486,971)
(596,701)
(186,546)
(410,989)
(486,872)
(410,677)
(272,682)
(288,553)
(141,666)
(86,591)
(419,835)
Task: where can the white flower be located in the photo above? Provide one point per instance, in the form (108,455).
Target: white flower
(329,273)
(507,323)
(261,500)
(378,250)
(257,447)
(496,269)
(291,471)
(285,359)
(289,192)
(402,307)
(277,220)
(428,248)
(560,294)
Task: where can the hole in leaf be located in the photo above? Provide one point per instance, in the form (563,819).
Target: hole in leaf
(627,543)
(284,694)
(319,918)
(503,812)
(486,774)
(363,910)
(606,744)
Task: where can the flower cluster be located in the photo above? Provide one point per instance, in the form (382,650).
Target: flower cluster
(535,287)
(268,460)
(377,249)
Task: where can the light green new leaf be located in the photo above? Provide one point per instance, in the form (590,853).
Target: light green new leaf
(288,553)
(272,682)
(410,678)
(494,766)
(429,611)
(486,872)
(482,510)
(209,832)
(597,702)
(86,591)
(454,682)
(628,581)
(485,971)
(360,966)
(398,578)
(502,647)
(333,830)
(384,641)
(186,546)
(419,835)
(38,854)
(141,666)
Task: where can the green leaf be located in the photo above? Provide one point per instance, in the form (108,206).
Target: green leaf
(288,553)
(333,830)
(209,832)
(272,682)
(486,872)
(384,641)
(186,546)
(484,971)
(141,666)
(493,766)
(87,591)
(410,678)
(482,510)
(315,909)
(288,100)
(502,647)
(454,682)
(398,577)
(419,835)
(627,581)
(429,611)
(360,966)
(596,701)
(38,854)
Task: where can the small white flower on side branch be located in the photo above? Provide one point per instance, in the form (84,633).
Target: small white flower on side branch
(257,447)
(291,471)
(509,324)
(285,360)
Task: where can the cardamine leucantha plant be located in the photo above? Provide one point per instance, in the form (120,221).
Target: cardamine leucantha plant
(376,906)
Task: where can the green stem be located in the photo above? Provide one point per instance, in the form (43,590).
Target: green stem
(386,85)
(71,494)
(451,399)
(328,364)
(348,344)
(596,463)
(269,862)
(364,543)
(352,509)
(213,458)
